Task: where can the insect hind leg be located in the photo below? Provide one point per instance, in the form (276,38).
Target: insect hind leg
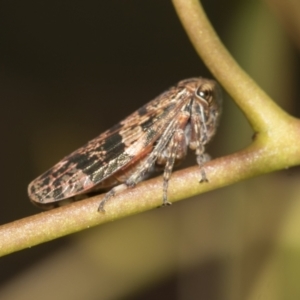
(115,190)
(130,176)
(172,140)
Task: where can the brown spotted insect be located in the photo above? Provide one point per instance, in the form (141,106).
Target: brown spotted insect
(156,135)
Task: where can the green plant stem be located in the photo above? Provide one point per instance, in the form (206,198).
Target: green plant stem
(81,215)
(276,131)
(260,110)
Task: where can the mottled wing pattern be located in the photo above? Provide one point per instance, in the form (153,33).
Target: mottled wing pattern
(100,158)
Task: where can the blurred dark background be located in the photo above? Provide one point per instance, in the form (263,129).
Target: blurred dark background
(71,69)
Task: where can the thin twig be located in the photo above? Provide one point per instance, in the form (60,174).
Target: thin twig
(81,215)
(260,110)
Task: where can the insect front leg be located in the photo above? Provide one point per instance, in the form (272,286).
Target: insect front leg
(198,139)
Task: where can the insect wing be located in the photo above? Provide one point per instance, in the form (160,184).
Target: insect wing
(103,156)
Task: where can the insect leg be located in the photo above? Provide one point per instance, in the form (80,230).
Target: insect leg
(119,177)
(152,157)
(199,138)
(177,142)
(147,163)
(115,190)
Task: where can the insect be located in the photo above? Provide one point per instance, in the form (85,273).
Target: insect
(155,136)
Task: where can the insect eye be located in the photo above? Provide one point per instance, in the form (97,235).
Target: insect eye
(204,94)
